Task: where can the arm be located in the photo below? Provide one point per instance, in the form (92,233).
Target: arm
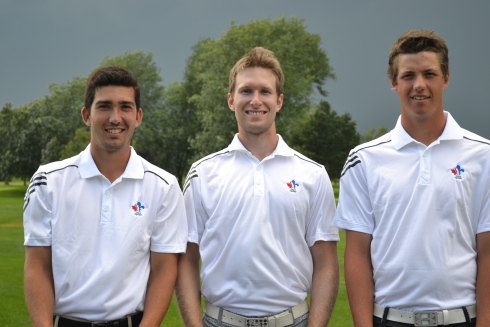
(39,285)
(325,285)
(161,283)
(483,280)
(359,277)
(188,288)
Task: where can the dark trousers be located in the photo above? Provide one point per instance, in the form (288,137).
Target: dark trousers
(377,323)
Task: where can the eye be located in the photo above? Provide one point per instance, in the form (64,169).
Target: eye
(246,91)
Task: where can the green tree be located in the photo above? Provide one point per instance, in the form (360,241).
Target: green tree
(327,138)
(77,144)
(372,134)
(304,63)
(7,159)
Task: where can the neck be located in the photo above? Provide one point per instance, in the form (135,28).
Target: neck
(260,145)
(111,164)
(424,130)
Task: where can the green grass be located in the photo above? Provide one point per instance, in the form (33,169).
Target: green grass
(13,311)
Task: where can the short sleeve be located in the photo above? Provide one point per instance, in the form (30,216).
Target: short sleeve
(322,211)
(37,212)
(354,211)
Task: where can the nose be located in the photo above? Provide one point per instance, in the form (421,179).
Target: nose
(115,117)
(419,83)
(256,99)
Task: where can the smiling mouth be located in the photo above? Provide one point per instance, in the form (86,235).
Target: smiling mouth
(114,130)
(420,98)
(255,113)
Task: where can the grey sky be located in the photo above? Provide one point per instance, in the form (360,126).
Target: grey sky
(55,40)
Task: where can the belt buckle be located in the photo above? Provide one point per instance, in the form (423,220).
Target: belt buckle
(257,322)
(425,318)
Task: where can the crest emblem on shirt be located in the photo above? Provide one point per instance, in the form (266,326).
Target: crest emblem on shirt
(137,208)
(457,172)
(292,185)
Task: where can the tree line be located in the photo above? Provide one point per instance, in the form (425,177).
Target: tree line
(190,119)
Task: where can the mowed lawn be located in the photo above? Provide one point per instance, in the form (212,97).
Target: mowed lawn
(13,310)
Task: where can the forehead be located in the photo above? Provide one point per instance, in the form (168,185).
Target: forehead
(114,93)
(418,61)
(256,76)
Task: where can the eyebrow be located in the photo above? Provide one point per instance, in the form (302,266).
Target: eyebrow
(120,102)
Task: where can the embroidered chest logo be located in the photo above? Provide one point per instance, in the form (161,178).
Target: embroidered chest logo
(457,172)
(137,208)
(292,185)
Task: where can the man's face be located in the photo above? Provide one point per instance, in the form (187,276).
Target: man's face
(419,84)
(255,101)
(113,118)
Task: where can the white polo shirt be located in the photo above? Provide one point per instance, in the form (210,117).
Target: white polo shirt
(101,234)
(254,223)
(423,206)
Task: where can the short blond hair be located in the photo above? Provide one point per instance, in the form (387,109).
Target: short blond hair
(258,57)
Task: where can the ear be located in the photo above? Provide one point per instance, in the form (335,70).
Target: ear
(393,85)
(86,116)
(139,117)
(280,100)
(231,104)
(446,81)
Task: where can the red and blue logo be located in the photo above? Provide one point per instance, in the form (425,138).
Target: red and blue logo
(292,185)
(137,208)
(457,172)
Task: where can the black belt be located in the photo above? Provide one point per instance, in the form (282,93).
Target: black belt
(134,319)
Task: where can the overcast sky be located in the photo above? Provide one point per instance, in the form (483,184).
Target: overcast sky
(55,40)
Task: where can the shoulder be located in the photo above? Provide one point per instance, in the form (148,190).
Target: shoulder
(477,139)
(153,172)
(304,160)
(59,167)
(212,158)
(366,151)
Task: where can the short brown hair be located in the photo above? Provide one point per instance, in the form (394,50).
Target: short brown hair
(258,57)
(416,41)
(111,75)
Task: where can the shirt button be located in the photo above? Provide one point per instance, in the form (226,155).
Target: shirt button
(258,168)
(259,182)
(425,154)
(424,171)
(107,192)
(106,209)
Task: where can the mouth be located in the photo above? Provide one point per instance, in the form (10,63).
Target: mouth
(419,98)
(114,130)
(255,113)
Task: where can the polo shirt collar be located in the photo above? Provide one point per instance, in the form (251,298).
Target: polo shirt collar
(452,131)
(282,149)
(88,168)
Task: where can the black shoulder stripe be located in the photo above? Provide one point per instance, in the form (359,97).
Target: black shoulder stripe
(52,171)
(151,172)
(349,167)
(205,159)
(349,160)
(190,174)
(465,137)
(188,181)
(307,160)
(367,147)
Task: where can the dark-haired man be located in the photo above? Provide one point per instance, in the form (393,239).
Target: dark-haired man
(103,229)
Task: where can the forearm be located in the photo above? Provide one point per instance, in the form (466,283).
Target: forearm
(483,281)
(359,282)
(325,284)
(39,286)
(188,288)
(161,283)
